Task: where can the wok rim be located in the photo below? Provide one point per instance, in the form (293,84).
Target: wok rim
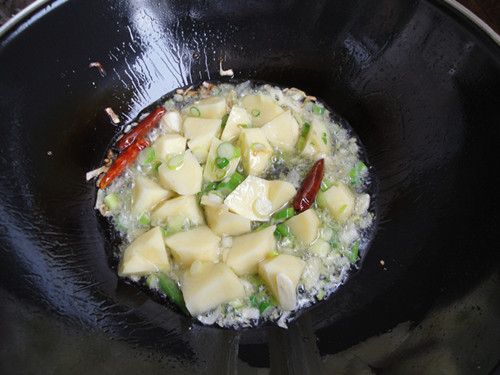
(455,9)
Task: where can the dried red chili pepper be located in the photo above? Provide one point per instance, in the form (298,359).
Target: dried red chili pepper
(141,129)
(310,187)
(126,158)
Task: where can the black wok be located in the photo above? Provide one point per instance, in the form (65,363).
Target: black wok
(417,80)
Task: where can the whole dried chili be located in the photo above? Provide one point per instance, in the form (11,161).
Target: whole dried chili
(310,187)
(126,158)
(141,129)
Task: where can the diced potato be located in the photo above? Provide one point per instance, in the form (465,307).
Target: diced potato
(238,116)
(186,180)
(304,226)
(262,108)
(178,209)
(287,269)
(213,107)
(195,127)
(282,131)
(207,285)
(146,194)
(255,150)
(223,222)
(195,244)
(146,254)
(339,199)
(211,172)
(249,249)
(200,147)
(171,122)
(280,193)
(169,144)
(315,141)
(247,197)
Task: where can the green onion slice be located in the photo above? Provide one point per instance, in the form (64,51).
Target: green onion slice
(194,112)
(112,201)
(221,162)
(255,112)
(318,110)
(228,151)
(175,162)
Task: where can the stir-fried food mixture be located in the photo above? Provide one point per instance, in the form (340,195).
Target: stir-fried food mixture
(239,203)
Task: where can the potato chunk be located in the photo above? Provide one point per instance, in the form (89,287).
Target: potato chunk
(339,200)
(304,226)
(146,194)
(146,254)
(195,244)
(207,285)
(213,173)
(213,107)
(186,179)
(195,127)
(223,222)
(262,108)
(318,140)
(282,131)
(282,274)
(249,199)
(178,209)
(237,117)
(255,150)
(280,192)
(171,122)
(169,144)
(249,249)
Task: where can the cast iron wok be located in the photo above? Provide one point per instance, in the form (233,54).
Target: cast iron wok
(418,82)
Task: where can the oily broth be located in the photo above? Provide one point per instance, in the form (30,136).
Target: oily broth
(324,271)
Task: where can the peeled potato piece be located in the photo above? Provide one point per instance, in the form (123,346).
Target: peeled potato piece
(195,244)
(280,193)
(318,140)
(255,150)
(282,274)
(262,108)
(237,117)
(250,198)
(213,173)
(146,254)
(171,122)
(146,194)
(223,222)
(169,144)
(249,249)
(213,107)
(195,127)
(282,131)
(186,179)
(304,226)
(183,207)
(206,285)
(339,199)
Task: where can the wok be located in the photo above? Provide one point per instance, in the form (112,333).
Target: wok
(418,81)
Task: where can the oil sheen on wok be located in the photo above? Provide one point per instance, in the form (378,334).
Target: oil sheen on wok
(240,203)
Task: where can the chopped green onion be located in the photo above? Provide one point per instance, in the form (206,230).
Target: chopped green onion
(228,151)
(224,121)
(303,136)
(284,214)
(320,199)
(244,126)
(221,162)
(320,295)
(156,165)
(324,138)
(262,226)
(211,186)
(356,172)
(112,201)
(353,255)
(255,113)
(147,156)
(283,230)
(261,300)
(325,185)
(231,184)
(318,110)
(194,112)
(170,288)
(144,219)
(175,162)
